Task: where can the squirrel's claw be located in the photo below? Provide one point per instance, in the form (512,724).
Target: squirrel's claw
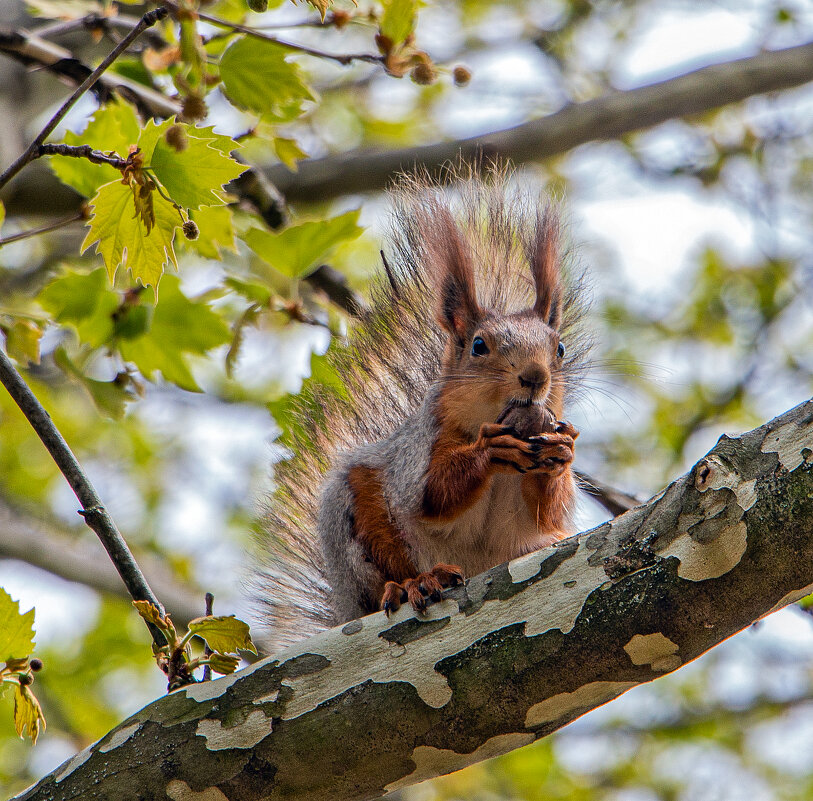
(420,590)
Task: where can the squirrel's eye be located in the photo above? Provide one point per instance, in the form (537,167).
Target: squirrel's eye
(479,347)
(560,351)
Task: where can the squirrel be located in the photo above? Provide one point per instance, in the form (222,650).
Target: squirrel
(441,450)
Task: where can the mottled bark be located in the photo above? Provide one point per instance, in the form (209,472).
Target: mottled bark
(517,653)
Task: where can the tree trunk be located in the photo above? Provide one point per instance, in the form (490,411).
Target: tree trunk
(520,651)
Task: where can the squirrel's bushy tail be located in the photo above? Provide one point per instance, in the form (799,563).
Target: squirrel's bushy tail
(390,358)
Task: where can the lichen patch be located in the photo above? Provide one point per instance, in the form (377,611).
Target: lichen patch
(179,790)
(244,735)
(119,737)
(431,762)
(655,650)
(580,700)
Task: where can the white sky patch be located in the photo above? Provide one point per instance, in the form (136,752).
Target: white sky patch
(654,232)
(676,41)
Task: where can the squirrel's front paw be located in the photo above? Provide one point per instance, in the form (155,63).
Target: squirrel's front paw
(505,449)
(424,587)
(554,452)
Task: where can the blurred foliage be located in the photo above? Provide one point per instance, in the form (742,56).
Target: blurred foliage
(168,386)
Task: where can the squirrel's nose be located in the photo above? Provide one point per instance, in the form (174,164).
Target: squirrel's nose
(533,377)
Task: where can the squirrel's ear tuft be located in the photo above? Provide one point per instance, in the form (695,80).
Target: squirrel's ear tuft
(458,311)
(544,261)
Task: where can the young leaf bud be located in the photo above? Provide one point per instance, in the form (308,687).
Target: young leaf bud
(194,108)
(423,74)
(461,75)
(176,138)
(191,230)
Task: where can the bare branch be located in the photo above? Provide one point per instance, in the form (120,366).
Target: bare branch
(515,654)
(93,510)
(604,118)
(148,20)
(614,500)
(43,229)
(40,543)
(28,48)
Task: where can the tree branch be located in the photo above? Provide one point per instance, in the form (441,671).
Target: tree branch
(30,49)
(518,652)
(93,510)
(605,117)
(28,539)
(147,21)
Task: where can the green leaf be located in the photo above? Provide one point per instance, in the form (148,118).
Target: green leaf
(27,713)
(23,341)
(257,77)
(223,663)
(398,21)
(113,127)
(250,290)
(83,301)
(123,239)
(215,224)
(179,327)
(2,213)
(108,396)
(194,175)
(225,634)
(288,152)
(299,249)
(16,629)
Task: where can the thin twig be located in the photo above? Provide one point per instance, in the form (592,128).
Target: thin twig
(147,21)
(83,152)
(44,229)
(370,58)
(93,510)
(207,651)
(97,22)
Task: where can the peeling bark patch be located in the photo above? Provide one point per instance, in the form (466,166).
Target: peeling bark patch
(790,598)
(788,441)
(713,474)
(541,563)
(701,561)
(119,737)
(353,627)
(73,763)
(655,650)
(244,735)
(565,704)
(180,791)
(559,576)
(431,762)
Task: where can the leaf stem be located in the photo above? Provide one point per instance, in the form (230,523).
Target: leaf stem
(44,229)
(147,21)
(93,510)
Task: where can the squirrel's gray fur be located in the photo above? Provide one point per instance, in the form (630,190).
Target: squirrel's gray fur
(387,368)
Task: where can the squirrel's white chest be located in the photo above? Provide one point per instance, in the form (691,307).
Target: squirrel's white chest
(498,527)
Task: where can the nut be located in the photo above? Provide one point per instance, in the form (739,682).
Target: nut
(528,421)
